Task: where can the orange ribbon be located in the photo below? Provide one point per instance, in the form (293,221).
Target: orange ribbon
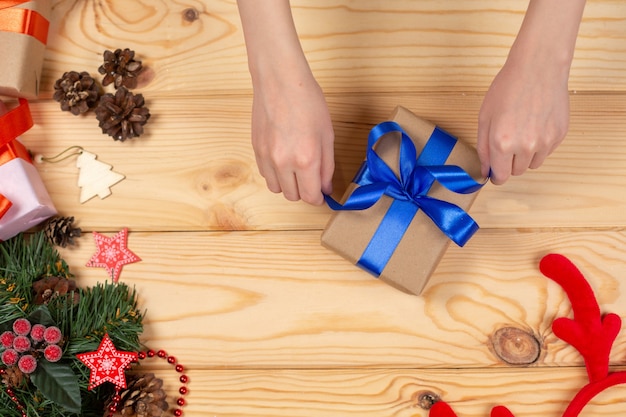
(5,205)
(12,125)
(25,21)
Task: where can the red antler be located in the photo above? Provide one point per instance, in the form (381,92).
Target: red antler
(588,332)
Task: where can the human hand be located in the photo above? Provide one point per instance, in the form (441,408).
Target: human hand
(292,137)
(523,119)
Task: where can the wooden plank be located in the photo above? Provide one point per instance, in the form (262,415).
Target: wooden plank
(280,300)
(194,169)
(389,392)
(371,45)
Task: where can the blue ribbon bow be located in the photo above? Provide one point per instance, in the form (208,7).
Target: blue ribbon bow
(409,191)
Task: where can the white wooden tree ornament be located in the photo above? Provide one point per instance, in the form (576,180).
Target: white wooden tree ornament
(95,177)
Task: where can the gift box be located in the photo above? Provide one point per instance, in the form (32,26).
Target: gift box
(23,36)
(407,203)
(24,201)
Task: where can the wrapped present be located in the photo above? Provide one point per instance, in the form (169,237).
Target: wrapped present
(24,201)
(403,208)
(23,36)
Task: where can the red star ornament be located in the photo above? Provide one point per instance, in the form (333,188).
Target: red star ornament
(112,253)
(107,364)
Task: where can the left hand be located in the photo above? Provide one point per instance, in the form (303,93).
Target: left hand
(523,119)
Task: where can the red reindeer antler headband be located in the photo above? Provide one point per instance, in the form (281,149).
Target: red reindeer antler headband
(589,332)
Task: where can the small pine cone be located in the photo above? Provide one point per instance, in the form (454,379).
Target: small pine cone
(120,68)
(122,115)
(77,92)
(144,397)
(13,377)
(48,288)
(60,231)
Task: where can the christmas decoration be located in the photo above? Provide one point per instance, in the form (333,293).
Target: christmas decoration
(77,92)
(60,231)
(48,288)
(112,253)
(120,68)
(95,177)
(143,398)
(107,364)
(123,115)
(590,332)
(40,372)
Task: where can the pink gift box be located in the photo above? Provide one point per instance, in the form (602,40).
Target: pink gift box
(24,201)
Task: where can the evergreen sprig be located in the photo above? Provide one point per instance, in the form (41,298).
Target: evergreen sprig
(83,319)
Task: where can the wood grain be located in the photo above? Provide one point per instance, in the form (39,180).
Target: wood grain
(194,168)
(233,278)
(372,45)
(280,300)
(397,393)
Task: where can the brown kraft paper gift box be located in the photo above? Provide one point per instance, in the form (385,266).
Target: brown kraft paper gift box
(415,258)
(23,37)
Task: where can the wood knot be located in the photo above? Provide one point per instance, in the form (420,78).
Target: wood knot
(190,14)
(515,346)
(426,399)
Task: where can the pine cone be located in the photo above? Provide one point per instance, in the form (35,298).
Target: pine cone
(48,288)
(122,115)
(144,397)
(77,92)
(12,377)
(120,68)
(60,231)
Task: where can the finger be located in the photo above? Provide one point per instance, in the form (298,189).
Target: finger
(310,186)
(501,166)
(521,162)
(327,170)
(289,185)
(267,172)
(482,148)
(537,160)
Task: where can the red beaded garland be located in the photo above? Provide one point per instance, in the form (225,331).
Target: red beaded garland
(178,367)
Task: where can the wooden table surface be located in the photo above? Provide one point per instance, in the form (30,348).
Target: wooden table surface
(234,279)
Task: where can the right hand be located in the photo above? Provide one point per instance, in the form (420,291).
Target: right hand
(292,137)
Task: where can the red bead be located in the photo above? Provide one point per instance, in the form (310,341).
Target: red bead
(117,398)
(150,353)
(113,408)
(178,412)
(141,355)
(180,401)
(180,368)
(183,390)
(161,354)
(171,359)
(184,379)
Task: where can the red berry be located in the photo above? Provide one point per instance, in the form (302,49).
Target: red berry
(161,354)
(52,353)
(27,364)
(7,338)
(180,402)
(179,368)
(36,333)
(21,343)
(52,335)
(21,327)
(10,357)
(178,412)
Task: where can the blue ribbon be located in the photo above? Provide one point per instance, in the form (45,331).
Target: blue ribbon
(409,191)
